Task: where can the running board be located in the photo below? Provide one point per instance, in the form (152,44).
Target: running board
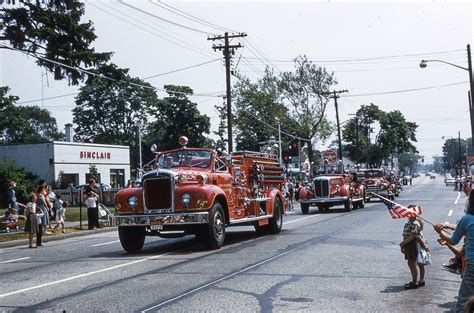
(250,219)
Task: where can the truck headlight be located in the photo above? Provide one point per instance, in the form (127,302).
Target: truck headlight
(133,201)
(186,198)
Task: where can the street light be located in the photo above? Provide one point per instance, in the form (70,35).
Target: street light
(423,64)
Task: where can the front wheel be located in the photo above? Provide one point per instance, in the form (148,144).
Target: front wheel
(214,233)
(362,203)
(132,238)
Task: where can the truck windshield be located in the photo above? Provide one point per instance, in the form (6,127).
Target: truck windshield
(185,158)
(371,174)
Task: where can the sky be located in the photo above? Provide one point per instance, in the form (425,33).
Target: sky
(374,49)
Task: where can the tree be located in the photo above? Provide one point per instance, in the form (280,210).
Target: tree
(113,112)
(305,90)
(53,30)
(453,152)
(94,173)
(25,124)
(10,171)
(408,161)
(395,135)
(177,116)
(257,109)
(221,132)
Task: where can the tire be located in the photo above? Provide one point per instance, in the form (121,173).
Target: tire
(215,232)
(348,205)
(276,222)
(304,208)
(132,238)
(362,203)
(321,208)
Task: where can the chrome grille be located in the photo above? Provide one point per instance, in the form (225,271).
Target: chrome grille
(321,188)
(158,193)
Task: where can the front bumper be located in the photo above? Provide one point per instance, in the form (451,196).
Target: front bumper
(160,219)
(383,193)
(331,200)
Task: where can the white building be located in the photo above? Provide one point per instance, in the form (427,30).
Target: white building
(72,160)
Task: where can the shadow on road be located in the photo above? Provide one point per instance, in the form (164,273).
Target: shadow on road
(393,289)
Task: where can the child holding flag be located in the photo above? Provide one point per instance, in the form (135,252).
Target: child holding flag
(409,246)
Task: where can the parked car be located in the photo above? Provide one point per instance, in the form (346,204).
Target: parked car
(432,176)
(449,180)
(98,186)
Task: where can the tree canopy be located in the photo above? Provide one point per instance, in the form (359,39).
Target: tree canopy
(258,105)
(453,152)
(177,116)
(395,135)
(53,30)
(111,112)
(25,124)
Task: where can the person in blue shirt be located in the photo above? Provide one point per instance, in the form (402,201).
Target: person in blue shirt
(465,228)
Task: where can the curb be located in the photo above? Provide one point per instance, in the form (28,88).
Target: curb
(21,242)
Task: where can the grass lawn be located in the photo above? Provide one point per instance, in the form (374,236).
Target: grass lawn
(13,235)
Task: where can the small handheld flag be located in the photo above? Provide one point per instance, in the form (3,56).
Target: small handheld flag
(399,211)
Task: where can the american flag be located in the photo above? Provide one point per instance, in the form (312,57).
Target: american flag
(399,211)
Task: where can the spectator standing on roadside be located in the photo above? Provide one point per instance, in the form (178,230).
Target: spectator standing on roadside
(12,202)
(51,196)
(297,190)
(409,247)
(31,226)
(92,210)
(465,228)
(60,213)
(42,204)
(291,190)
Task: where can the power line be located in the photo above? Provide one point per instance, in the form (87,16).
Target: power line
(405,90)
(274,128)
(161,34)
(329,60)
(190,16)
(163,19)
(149,77)
(182,69)
(99,75)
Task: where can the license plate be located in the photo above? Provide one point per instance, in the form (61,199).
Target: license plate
(156,227)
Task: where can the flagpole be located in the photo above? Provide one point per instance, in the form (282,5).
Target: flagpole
(383,198)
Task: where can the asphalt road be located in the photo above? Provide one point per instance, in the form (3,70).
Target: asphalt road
(336,261)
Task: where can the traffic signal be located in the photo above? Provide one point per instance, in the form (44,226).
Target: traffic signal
(294,148)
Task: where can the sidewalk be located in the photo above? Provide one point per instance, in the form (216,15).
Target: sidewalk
(59,235)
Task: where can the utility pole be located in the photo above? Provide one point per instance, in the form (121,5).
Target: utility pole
(459,151)
(228,50)
(279,142)
(471,91)
(335,95)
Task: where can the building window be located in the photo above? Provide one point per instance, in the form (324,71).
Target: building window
(117,178)
(69,179)
(88,176)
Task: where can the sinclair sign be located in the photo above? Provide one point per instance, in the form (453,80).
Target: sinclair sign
(329,155)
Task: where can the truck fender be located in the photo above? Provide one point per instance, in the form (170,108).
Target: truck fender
(275,193)
(121,201)
(203,196)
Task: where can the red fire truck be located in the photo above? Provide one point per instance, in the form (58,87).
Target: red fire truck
(196,191)
(333,189)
